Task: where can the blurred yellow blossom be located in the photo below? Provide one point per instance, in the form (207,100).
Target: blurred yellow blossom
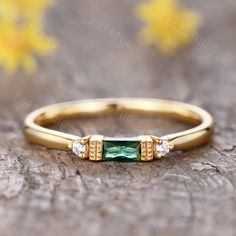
(19,45)
(23,8)
(21,34)
(167,24)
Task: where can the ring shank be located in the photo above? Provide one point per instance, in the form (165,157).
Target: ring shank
(35,123)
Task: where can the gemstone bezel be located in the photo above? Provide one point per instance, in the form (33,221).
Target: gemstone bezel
(128,149)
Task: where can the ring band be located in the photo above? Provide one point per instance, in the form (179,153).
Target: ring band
(98,147)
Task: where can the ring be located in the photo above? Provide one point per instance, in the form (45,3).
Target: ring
(98,147)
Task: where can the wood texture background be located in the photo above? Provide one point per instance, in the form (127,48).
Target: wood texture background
(50,193)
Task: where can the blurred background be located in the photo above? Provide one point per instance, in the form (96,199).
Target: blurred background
(55,51)
(99,54)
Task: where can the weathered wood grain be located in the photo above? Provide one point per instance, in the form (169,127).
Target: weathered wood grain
(46,192)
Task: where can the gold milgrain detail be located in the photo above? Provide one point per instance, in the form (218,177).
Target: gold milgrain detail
(95,148)
(146,148)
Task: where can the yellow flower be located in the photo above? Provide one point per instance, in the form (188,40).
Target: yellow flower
(167,24)
(10,9)
(19,45)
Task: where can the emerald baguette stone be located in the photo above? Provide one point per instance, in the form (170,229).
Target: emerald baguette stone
(120,150)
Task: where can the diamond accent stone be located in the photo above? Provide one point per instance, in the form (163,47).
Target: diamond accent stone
(163,149)
(79,148)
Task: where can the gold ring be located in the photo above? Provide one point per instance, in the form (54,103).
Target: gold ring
(98,147)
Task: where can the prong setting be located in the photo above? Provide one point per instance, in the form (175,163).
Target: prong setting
(162,147)
(80,147)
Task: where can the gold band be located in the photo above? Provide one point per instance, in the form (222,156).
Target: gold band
(35,131)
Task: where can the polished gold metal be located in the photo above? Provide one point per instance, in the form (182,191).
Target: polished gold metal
(35,123)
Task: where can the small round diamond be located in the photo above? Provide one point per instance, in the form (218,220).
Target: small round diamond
(79,148)
(163,149)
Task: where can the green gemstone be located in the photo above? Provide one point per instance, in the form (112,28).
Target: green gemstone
(120,150)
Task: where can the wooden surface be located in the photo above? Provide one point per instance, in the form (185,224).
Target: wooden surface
(50,193)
